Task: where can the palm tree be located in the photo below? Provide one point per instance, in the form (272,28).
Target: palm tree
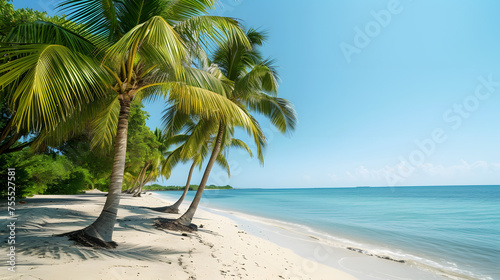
(122,51)
(196,158)
(255,85)
(149,172)
(146,177)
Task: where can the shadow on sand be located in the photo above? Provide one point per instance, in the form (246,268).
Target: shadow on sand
(40,220)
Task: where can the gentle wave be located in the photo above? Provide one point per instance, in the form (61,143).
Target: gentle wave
(450,270)
(449,231)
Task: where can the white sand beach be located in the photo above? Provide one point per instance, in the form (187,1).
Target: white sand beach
(321,248)
(219,250)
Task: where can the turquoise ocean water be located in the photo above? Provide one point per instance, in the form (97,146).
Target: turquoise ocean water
(453,230)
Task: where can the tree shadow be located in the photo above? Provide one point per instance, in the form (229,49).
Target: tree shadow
(40,220)
(82,198)
(60,248)
(35,222)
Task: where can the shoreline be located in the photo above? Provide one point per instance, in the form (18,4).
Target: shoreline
(322,248)
(221,249)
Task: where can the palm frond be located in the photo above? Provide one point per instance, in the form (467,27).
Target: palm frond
(213,29)
(259,139)
(105,124)
(222,162)
(212,80)
(168,164)
(134,12)
(198,137)
(175,140)
(181,10)
(69,35)
(55,83)
(99,16)
(280,111)
(155,41)
(173,121)
(261,77)
(199,101)
(237,143)
(256,37)
(74,125)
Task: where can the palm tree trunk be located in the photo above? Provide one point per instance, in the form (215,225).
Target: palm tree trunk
(174,208)
(186,188)
(187,217)
(134,184)
(138,179)
(7,129)
(137,188)
(18,148)
(6,146)
(142,183)
(102,228)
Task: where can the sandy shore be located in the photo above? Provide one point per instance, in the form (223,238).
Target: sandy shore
(323,248)
(219,250)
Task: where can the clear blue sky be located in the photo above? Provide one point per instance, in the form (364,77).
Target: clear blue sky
(369,79)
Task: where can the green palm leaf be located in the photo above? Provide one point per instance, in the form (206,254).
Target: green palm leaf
(262,76)
(173,121)
(134,12)
(212,28)
(55,83)
(222,162)
(237,143)
(40,32)
(99,16)
(280,111)
(105,124)
(199,101)
(182,10)
(154,41)
(73,125)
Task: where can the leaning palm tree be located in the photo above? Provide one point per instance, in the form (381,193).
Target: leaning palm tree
(151,173)
(146,49)
(255,85)
(121,51)
(196,158)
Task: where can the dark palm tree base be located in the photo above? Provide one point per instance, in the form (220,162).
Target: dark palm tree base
(80,237)
(173,224)
(166,209)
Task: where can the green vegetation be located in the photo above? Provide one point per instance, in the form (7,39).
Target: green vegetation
(72,88)
(44,173)
(10,17)
(157,187)
(11,138)
(73,167)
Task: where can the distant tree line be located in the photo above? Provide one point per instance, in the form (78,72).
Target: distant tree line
(72,88)
(157,187)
